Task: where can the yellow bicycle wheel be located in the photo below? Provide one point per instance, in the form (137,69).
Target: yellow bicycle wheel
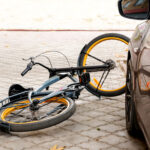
(19,116)
(104,47)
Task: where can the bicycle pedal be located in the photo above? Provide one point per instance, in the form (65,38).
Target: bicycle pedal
(84,78)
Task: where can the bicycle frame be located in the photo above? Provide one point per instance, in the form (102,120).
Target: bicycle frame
(55,76)
(51,81)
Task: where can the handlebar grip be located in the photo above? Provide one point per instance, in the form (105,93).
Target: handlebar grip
(25,71)
(29,67)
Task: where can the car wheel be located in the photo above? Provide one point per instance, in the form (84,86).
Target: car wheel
(131,118)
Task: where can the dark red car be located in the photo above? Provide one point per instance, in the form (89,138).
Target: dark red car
(137,97)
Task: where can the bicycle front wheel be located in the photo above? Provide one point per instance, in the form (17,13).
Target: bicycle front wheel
(107,46)
(21,118)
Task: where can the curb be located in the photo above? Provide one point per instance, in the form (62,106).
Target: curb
(66,30)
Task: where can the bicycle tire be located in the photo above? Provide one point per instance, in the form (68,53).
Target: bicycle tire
(103,42)
(32,125)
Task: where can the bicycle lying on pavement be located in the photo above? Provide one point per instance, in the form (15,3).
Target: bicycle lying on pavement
(28,109)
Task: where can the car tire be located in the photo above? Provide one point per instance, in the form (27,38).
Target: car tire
(130,112)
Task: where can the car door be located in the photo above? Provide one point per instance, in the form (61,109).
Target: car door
(142,94)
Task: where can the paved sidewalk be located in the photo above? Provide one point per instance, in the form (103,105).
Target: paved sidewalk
(97,124)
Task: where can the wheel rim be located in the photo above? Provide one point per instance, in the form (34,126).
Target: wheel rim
(94,81)
(10,115)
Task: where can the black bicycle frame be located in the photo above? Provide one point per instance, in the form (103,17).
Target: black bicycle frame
(53,71)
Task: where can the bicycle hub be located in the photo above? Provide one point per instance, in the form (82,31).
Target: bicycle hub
(111,63)
(34,105)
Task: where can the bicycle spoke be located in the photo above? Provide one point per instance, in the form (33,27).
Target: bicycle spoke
(61,106)
(22,116)
(101,82)
(15,106)
(17,114)
(95,58)
(105,78)
(14,116)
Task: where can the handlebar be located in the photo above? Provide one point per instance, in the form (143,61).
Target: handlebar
(29,67)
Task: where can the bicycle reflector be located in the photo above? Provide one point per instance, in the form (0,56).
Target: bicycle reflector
(84,79)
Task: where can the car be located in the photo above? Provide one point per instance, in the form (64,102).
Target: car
(137,94)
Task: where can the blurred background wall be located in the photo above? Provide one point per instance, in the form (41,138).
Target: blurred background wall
(63,14)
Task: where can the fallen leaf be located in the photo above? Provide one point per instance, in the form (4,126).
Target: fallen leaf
(55,147)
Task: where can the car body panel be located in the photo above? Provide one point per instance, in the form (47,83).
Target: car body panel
(139,50)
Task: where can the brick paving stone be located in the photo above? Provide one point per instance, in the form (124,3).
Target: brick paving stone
(119,105)
(18,144)
(132,145)
(75,148)
(80,101)
(94,122)
(93,114)
(111,128)
(112,148)
(108,109)
(113,139)
(4,148)
(67,122)
(109,118)
(82,109)
(94,133)
(76,139)
(119,113)
(107,101)
(91,98)
(14,138)
(123,133)
(37,138)
(58,142)
(36,147)
(93,145)
(60,132)
(80,117)
(95,105)
(120,122)
(77,127)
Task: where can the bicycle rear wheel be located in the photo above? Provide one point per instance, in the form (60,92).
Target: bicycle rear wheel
(107,46)
(19,117)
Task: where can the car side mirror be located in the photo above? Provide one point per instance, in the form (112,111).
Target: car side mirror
(134,9)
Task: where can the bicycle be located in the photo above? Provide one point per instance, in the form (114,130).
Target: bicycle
(28,110)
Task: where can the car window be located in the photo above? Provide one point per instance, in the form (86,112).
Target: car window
(126,5)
